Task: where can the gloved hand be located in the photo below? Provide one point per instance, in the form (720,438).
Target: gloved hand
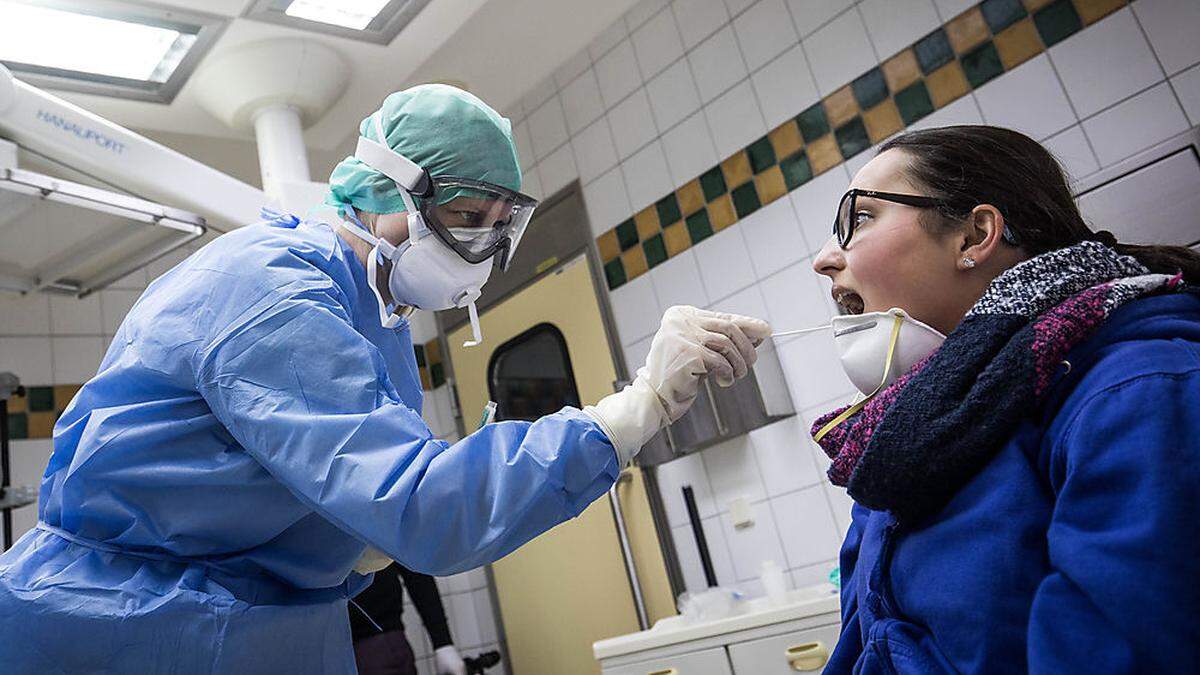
(690,344)
(372,561)
(447,661)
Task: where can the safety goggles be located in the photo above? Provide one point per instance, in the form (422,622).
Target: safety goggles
(846,220)
(477,220)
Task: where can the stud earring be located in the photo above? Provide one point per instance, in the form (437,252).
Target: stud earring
(968,262)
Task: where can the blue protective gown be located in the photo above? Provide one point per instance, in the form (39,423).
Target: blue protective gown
(251,429)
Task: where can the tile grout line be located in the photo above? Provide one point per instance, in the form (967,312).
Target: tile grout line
(833,147)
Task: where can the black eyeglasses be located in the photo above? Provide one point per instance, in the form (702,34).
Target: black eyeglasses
(847,217)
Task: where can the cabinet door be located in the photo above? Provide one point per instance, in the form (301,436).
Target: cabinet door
(802,651)
(707,662)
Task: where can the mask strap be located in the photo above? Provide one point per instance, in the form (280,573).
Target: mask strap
(852,410)
(387,318)
(476,334)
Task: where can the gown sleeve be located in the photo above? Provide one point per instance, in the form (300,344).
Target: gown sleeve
(310,399)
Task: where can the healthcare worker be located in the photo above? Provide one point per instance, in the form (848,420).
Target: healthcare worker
(255,425)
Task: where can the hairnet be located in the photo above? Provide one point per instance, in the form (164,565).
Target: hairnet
(445,130)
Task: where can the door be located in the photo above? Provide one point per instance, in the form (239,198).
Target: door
(545,347)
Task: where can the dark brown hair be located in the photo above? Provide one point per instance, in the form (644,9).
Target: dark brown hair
(970,165)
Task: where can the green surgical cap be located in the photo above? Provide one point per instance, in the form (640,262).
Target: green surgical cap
(445,130)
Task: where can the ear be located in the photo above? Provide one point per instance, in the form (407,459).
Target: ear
(982,236)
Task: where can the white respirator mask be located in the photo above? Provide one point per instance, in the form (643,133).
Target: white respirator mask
(875,349)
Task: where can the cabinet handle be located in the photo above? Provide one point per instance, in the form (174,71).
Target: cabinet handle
(808,656)
(668,671)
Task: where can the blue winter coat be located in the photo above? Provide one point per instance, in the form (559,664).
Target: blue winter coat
(1076,549)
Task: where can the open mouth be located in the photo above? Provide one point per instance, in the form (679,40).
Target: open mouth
(848,301)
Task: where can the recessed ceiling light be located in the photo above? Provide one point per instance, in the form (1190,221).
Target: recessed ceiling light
(353,14)
(110,48)
(377,21)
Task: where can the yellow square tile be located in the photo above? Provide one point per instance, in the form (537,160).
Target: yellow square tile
(608,246)
(720,212)
(1092,11)
(63,393)
(635,262)
(426,381)
(823,154)
(947,84)
(433,352)
(17,404)
(646,221)
(691,198)
(770,185)
(840,107)
(967,31)
(41,424)
(1031,5)
(786,140)
(676,238)
(882,121)
(1018,43)
(736,169)
(901,70)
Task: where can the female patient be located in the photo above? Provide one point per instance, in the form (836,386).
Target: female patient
(1027,492)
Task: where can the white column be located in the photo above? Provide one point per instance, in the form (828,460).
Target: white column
(282,157)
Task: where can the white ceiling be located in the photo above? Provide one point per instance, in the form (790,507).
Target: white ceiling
(498,48)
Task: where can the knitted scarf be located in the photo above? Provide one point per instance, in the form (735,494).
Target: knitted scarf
(912,447)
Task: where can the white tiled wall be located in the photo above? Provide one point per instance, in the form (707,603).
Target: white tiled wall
(673,87)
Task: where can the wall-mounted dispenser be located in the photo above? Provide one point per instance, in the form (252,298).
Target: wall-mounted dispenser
(721,413)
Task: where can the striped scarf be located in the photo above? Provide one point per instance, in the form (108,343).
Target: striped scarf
(918,441)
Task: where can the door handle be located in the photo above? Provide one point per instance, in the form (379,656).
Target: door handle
(808,656)
(668,671)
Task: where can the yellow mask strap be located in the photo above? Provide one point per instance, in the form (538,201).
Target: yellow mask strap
(887,368)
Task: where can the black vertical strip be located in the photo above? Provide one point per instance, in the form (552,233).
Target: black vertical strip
(4,477)
(710,575)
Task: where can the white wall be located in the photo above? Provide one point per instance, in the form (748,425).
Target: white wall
(674,87)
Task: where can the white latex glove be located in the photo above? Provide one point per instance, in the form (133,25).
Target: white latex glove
(372,561)
(690,344)
(446,661)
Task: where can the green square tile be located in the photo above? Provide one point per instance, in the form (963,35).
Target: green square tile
(41,399)
(869,89)
(627,235)
(933,51)
(796,170)
(668,210)
(656,250)
(698,226)
(18,426)
(1057,22)
(614,273)
(1000,14)
(982,64)
(852,138)
(813,123)
(762,155)
(913,102)
(419,351)
(437,374)
(745,199)
(712,182)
